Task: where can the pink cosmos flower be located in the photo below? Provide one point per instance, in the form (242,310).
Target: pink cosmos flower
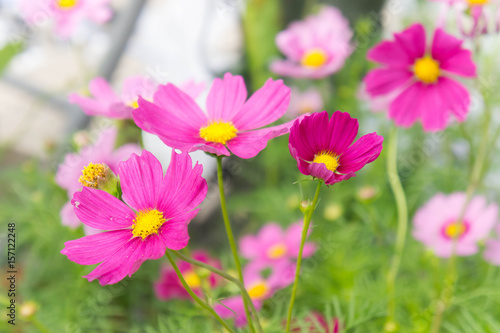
(153,217)
(317,324)
(420,76)
(69,172)
(259,289)
(304,102)
(324,148)
(169,286)
(492,251)
(437,224)
(272,244)
(180,123)
(316,47)
(66,14)
(107,103)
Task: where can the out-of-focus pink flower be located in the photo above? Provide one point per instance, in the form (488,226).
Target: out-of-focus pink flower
(232,121)
(273,244)
(66,14)
(324,148)
(153,216)
(492,251)
(316,323)
(315,47)
(259,288)
(419,76)
(437,224)
(169,286)
(69,171)
(304,102)
(106,103)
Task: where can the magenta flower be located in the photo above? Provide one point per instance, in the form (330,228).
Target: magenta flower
(324,148)
(102,152)
(169,286)
(153,217)
(437,224)
(259,289)
(304,102)
(316,47)
(272,244)
(66,14)
(492,251)
(180,123)
(420,76)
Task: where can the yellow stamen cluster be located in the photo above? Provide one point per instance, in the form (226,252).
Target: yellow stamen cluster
(134,104)
(314,58)
(192,279)
(147,223)
(328,158)
(477,2)
(258,290)
(427,70)
(92,173)
(218,131)
(66,4)
(276,251)
(455,230)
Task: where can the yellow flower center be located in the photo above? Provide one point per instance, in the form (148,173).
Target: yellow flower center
(427,69)
(477,2)
(192,279)
(134,104)
(276,251)
(218,131)
(455,230)
(314,58)
(147,223)
(92,173)
(329,159)
(258,290)
(66,4)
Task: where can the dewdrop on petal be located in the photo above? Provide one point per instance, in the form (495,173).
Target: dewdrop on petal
(333,211)
(28,309)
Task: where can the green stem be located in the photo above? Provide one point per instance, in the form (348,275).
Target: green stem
(230,236)
(39,325)
(307,221)
(193,295)
(402,209)
(228,277)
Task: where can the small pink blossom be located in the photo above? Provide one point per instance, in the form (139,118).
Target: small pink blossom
(153,216)
(315,47)
(304,102)
(273,244)
(169,286)
(419,77)
(437,224)
(492,251)
(317,324)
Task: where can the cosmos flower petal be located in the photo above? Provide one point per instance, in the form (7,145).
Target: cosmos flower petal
(448,50)
(407,107)
(226,97)
(492,252)
(366,150)
(174,232)
(412,41)
(68,216)
(381,81)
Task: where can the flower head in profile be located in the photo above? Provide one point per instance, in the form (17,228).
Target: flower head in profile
(324,147)
(438,225)
(304,102)
(273,244)
(100,154)
(231,122)
(315,322)
(66,14)
(315,47)
(169,286)
(419,77)
(152,217)
(492,251)
(259,288)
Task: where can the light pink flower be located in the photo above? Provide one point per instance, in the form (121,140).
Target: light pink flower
(69,171)
(272,244)
(259,289)
(317,324)
(153,217)
(420,77)
(324,148)
(492,251)
(304,102)
(169,286)
(437,226)
(315,47)
(231,121)
(106,103)
(66,14)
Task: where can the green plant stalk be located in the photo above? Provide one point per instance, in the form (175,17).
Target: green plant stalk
(307,221)
(402,209)
(193,295)
(228,277)
(230,236)
(39,325)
